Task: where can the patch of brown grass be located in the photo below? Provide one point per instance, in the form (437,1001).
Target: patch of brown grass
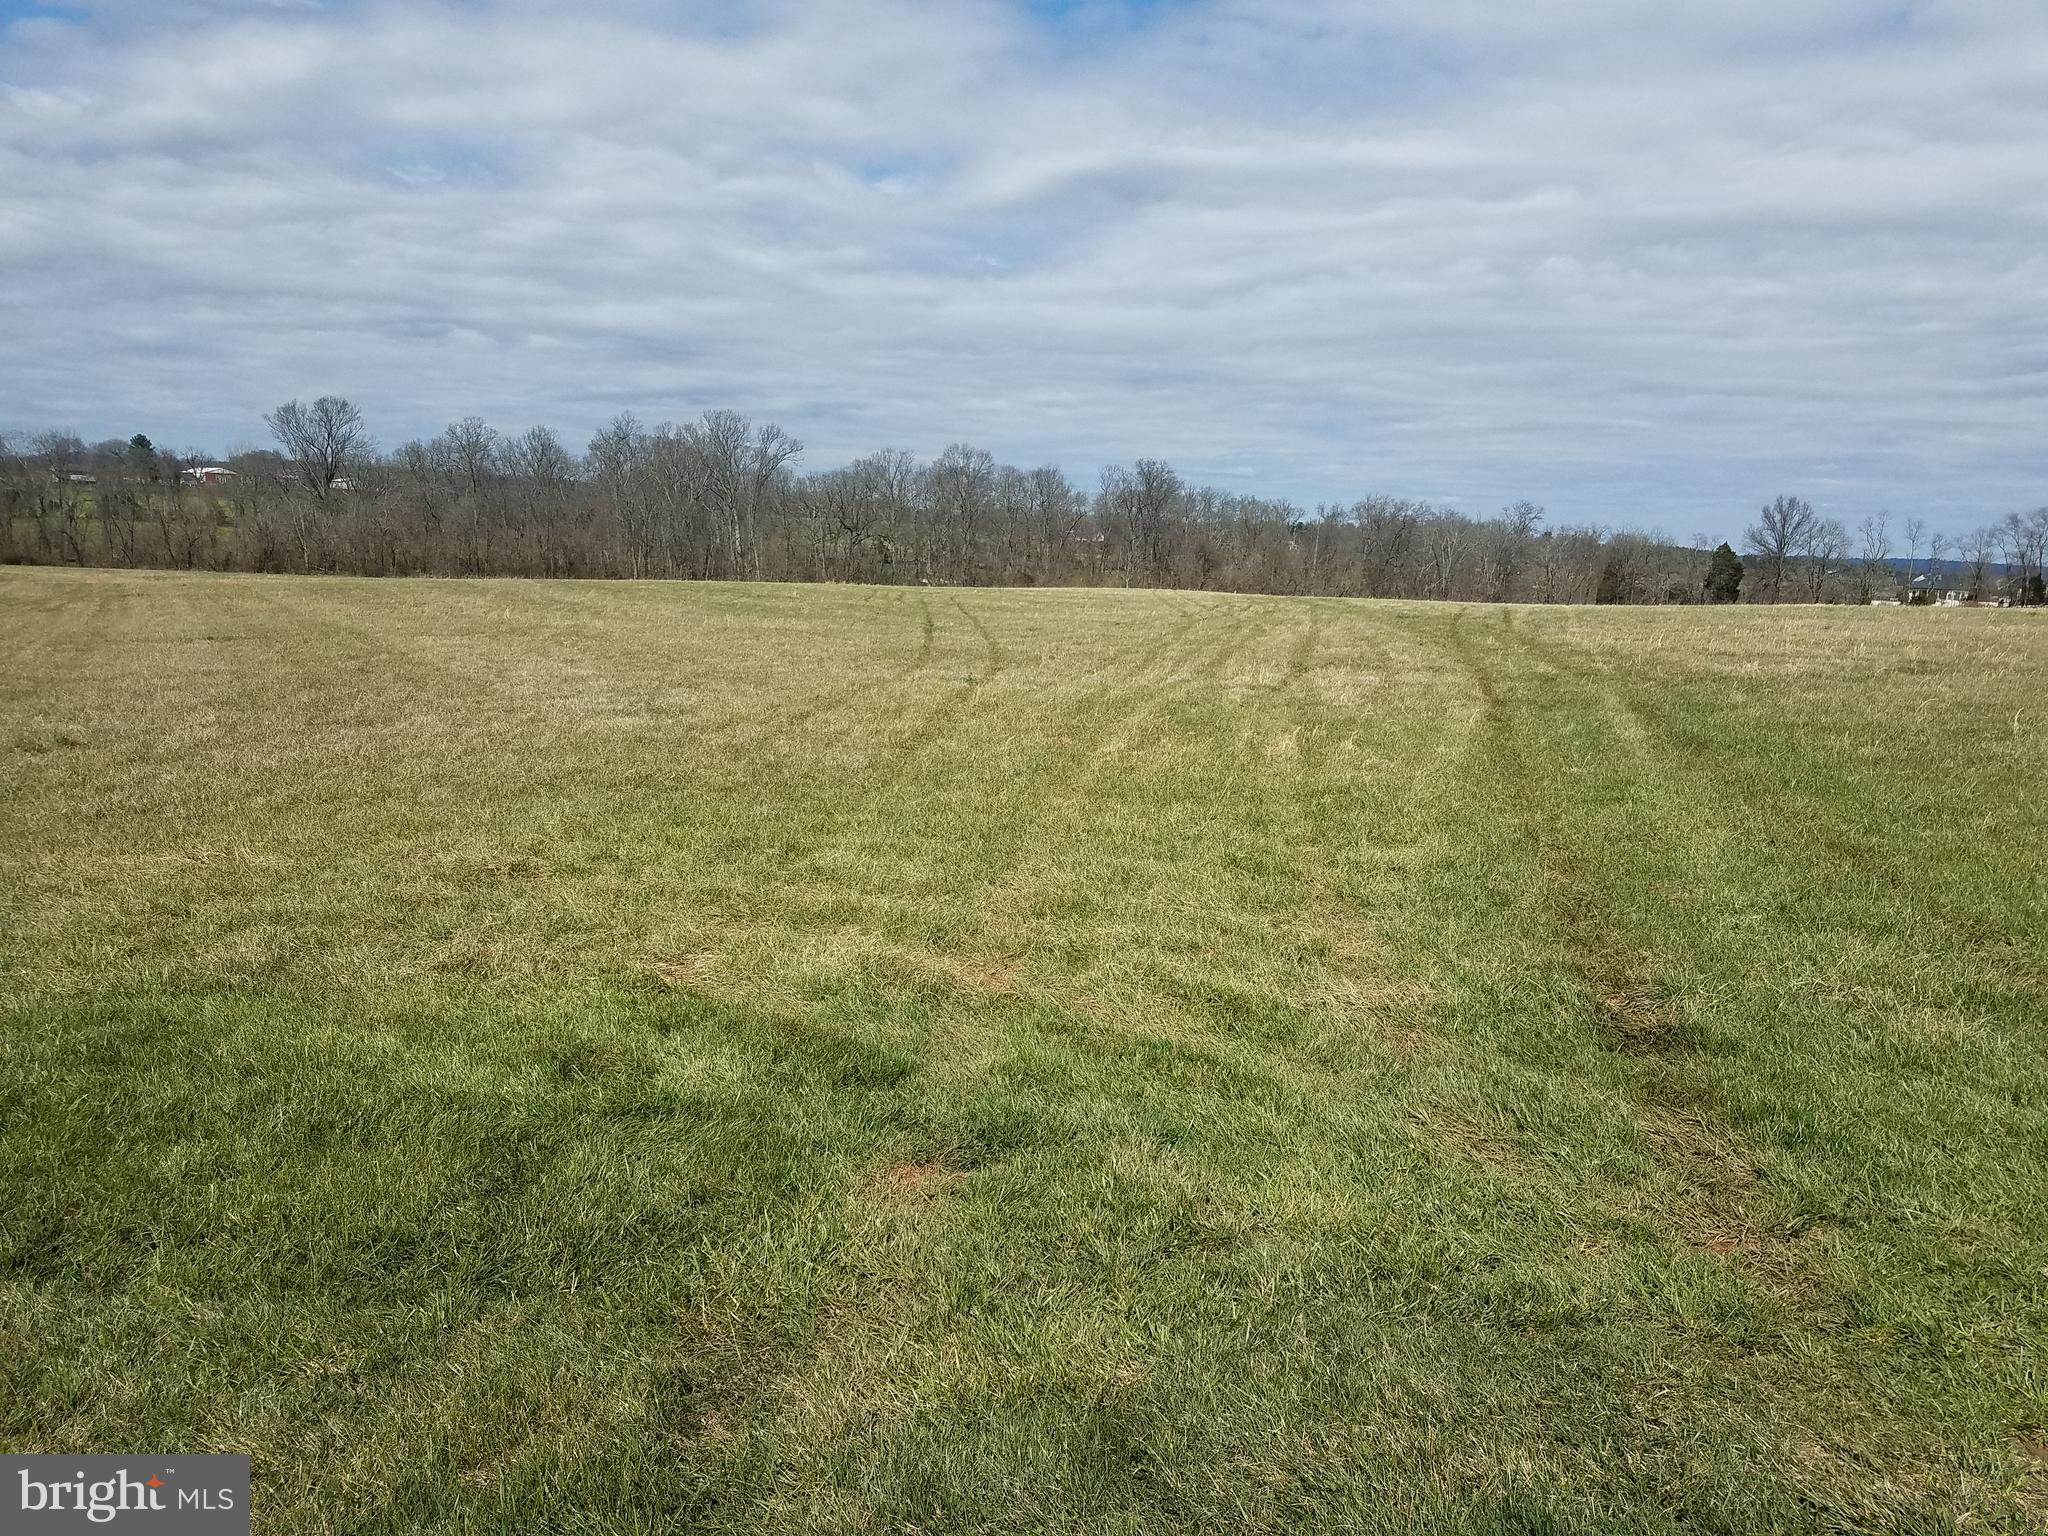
(921,1179)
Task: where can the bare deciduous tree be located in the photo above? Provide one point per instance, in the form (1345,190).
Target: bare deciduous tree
(2024,537)
(721,498)
(469,449)
(1875,550)
(1056,511)
(1444,539)
(322,439)
(1826,551)
(740,464)
(1145,504)
(1777,536)
(1515,533)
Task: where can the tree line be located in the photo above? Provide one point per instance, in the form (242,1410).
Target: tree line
(723,498)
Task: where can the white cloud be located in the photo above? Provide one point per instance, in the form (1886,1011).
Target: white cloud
(1644,264)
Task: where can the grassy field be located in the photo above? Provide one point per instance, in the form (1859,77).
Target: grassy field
(579,1057)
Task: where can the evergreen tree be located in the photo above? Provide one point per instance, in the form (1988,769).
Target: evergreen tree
(1724,576)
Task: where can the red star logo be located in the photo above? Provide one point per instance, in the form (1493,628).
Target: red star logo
(155,1481)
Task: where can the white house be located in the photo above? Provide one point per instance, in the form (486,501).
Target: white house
(1934,589)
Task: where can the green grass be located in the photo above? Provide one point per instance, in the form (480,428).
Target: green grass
(582,1057)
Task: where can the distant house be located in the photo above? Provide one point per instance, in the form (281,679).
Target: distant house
(208,474)
(292,480)
(1940,590)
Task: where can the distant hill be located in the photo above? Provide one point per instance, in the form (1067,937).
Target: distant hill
(1949,567)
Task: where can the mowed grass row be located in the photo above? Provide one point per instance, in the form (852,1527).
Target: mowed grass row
(585,1057)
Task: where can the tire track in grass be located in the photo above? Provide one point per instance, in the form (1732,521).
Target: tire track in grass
(1076,749)
(1817,840)
(1244,629)
(994,663)
(1722,1211)
(835,701)
(878,780)
(74,716)
(777,889)
(748,723)
(1620,989)
(75,631)
(1333,811)
(1724,793)
(1729,1209)
(456,650)
(1320,921)
(1282,917)
(319,611)
(944,719)
(900,1190)
(42,613)
(1301,655)
(1807,838)
(719,740)
(1012,839)
(955,1041)
(1092,738)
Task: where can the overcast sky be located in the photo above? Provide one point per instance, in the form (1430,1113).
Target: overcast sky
(1646,263)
